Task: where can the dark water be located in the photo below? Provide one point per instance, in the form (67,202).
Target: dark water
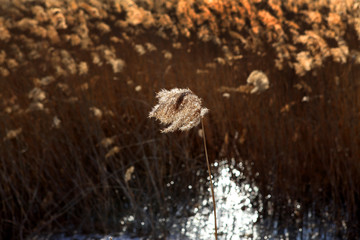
(237,218)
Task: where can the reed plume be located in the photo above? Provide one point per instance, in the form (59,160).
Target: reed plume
(181,109)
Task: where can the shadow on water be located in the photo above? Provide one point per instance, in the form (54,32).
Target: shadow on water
(238,216)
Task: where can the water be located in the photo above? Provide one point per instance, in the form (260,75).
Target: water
(235,215)
(237,219)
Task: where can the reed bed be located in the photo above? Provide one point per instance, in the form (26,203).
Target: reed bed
(78,152)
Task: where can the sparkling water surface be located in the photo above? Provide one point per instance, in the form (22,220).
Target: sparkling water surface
(237,219)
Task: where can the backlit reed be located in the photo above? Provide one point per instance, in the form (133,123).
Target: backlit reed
(181,109)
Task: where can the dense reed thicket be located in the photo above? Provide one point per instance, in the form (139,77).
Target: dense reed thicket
(79,153)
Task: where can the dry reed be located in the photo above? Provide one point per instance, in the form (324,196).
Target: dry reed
(182,109)
(179,108)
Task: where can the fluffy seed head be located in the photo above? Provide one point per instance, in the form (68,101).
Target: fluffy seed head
(259,80)
(179,108)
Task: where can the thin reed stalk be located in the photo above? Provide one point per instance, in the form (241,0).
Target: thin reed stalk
(181,109)
(209,169)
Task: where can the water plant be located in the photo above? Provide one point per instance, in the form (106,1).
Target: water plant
(181,109)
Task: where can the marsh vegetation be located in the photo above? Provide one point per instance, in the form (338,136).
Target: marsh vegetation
(78,79)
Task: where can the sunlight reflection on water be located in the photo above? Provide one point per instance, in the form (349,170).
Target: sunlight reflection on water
(237,219)
(235,215)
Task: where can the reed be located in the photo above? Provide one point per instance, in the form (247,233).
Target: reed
(182,110)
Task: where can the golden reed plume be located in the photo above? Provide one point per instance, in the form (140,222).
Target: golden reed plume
(181,109)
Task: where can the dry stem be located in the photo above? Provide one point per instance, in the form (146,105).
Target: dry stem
(211,184)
